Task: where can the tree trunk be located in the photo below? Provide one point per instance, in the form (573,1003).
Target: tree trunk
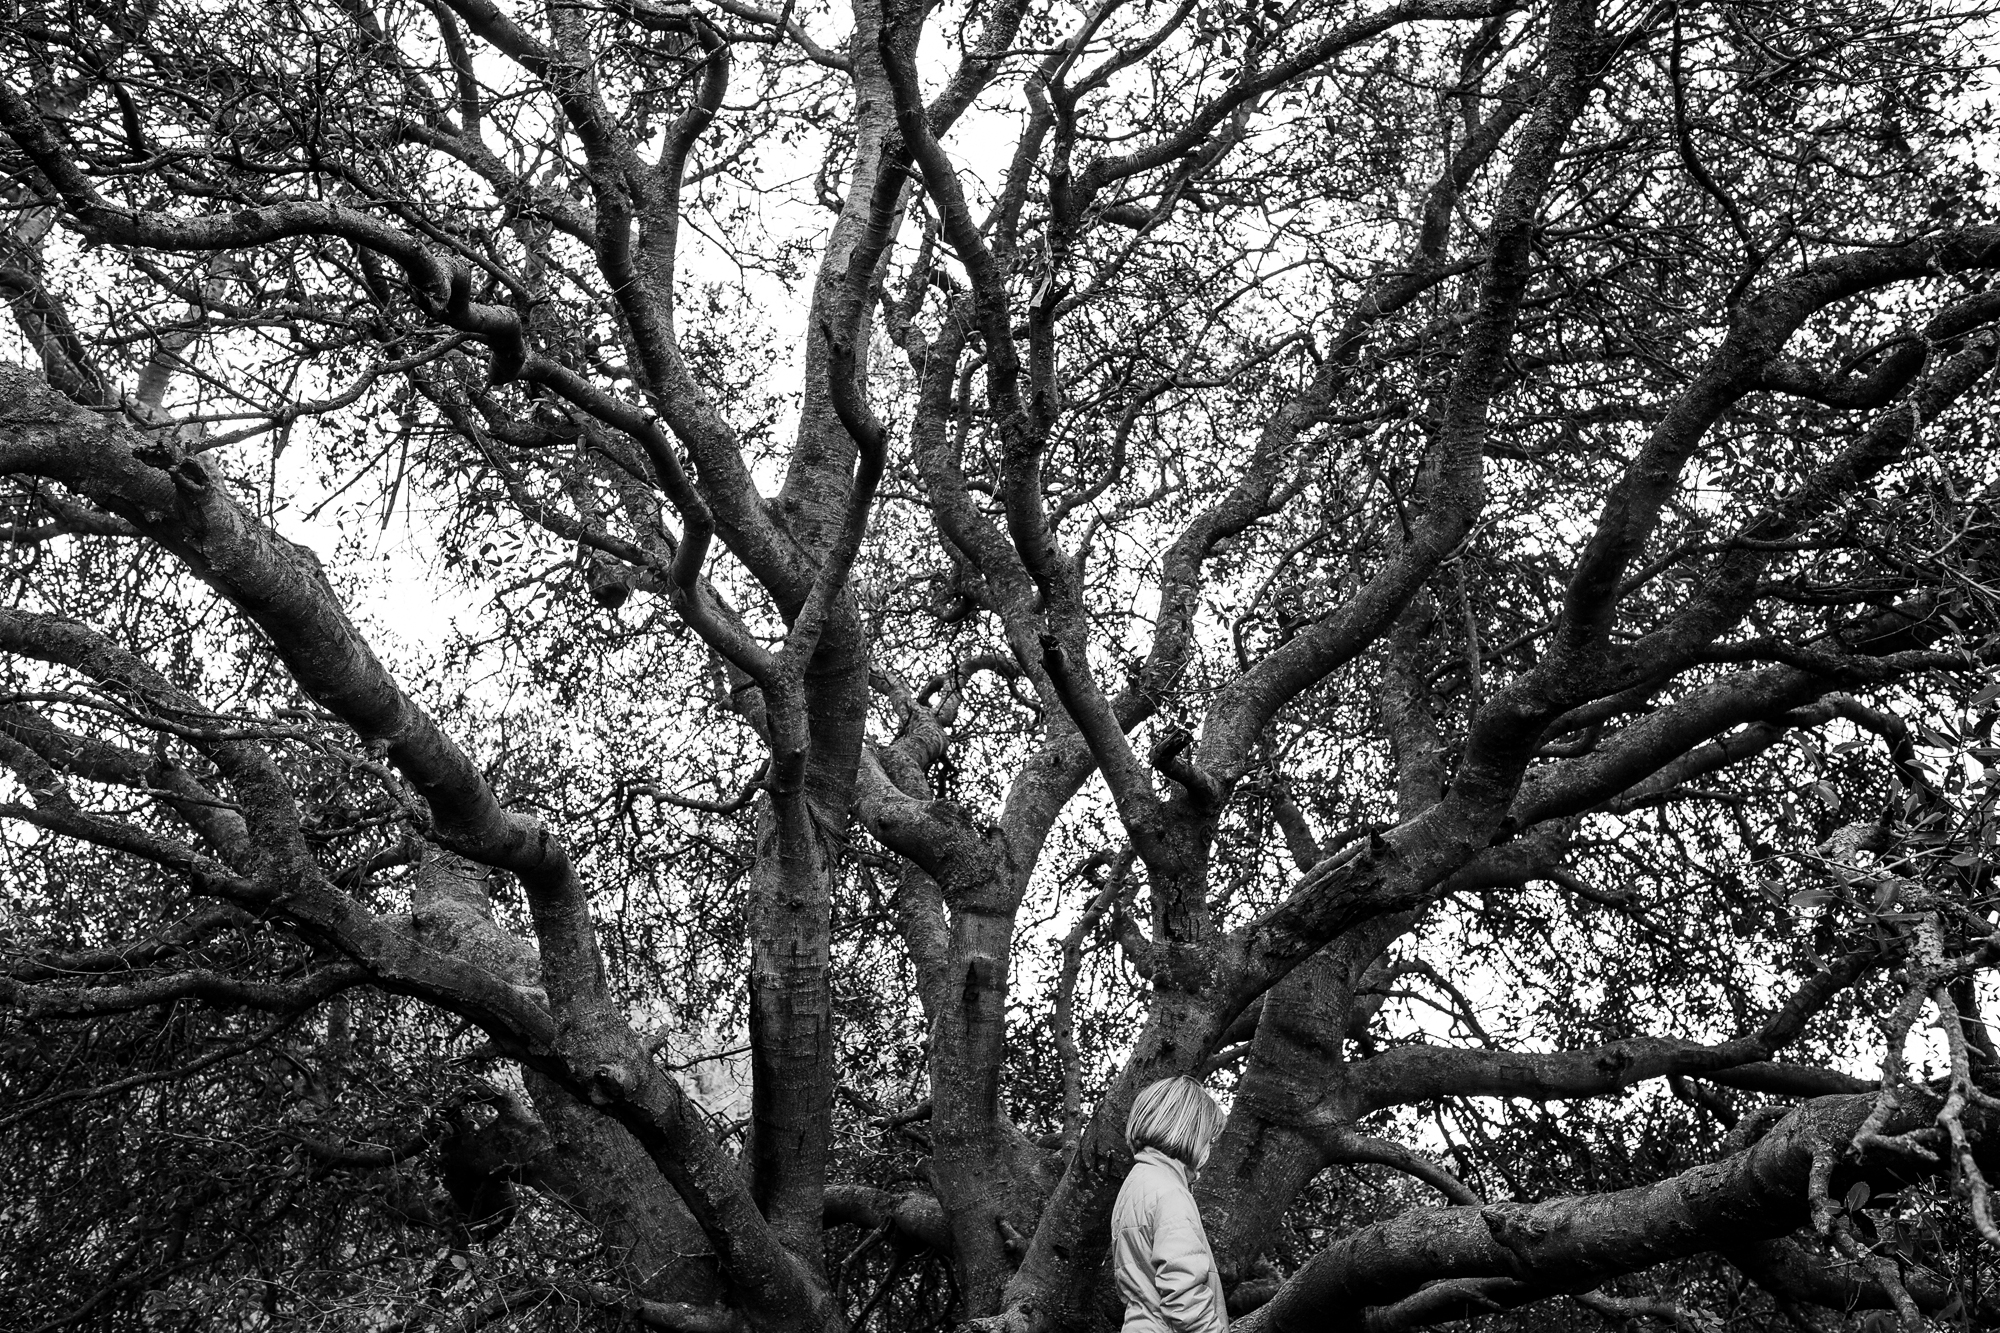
(580,1157)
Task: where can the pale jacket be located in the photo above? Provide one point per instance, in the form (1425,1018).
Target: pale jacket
(1159,1252)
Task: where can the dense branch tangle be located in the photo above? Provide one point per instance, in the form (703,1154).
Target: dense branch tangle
(1344,545)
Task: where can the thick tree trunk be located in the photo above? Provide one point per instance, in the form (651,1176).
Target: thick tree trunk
(580,1157)
(791,1022)
(1063,1268)
(595,1167)
(1297,1064)
(974,1159)
(789,915)
(990,1178)
(789,911)
(1295,1070)
(823,453)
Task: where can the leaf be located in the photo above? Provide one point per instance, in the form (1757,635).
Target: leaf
(1826,793)
(1809,900)
(1857,1194)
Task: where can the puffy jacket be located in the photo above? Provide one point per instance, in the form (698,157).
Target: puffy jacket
(1159,1252)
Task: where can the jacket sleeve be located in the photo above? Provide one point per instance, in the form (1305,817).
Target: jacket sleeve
(1182,1269)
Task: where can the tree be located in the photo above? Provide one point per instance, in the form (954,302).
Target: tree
(1290,518)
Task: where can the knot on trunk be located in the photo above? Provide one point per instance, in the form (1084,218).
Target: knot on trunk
(612,1081)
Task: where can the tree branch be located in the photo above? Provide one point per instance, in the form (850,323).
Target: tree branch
(1408,1074)
(1571,1244)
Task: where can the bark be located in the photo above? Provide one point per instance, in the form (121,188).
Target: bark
(1298,1098)
(987,1173)
(788,913)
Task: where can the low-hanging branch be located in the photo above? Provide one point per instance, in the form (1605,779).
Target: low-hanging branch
(1382,1278)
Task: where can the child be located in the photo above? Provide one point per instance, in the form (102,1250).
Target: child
(1159,1252)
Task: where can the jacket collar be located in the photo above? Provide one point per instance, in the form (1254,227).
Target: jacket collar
(1154,1157)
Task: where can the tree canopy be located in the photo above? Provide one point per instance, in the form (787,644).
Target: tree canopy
(654,654)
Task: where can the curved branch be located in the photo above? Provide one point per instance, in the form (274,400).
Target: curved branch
(218,823)
(1573,1244)
(212,988)
(1408,1074)
(1350,1145)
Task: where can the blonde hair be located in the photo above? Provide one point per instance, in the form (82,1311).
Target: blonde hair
(1177,1116)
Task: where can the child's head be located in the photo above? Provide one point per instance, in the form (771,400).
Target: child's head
(1177,1116)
